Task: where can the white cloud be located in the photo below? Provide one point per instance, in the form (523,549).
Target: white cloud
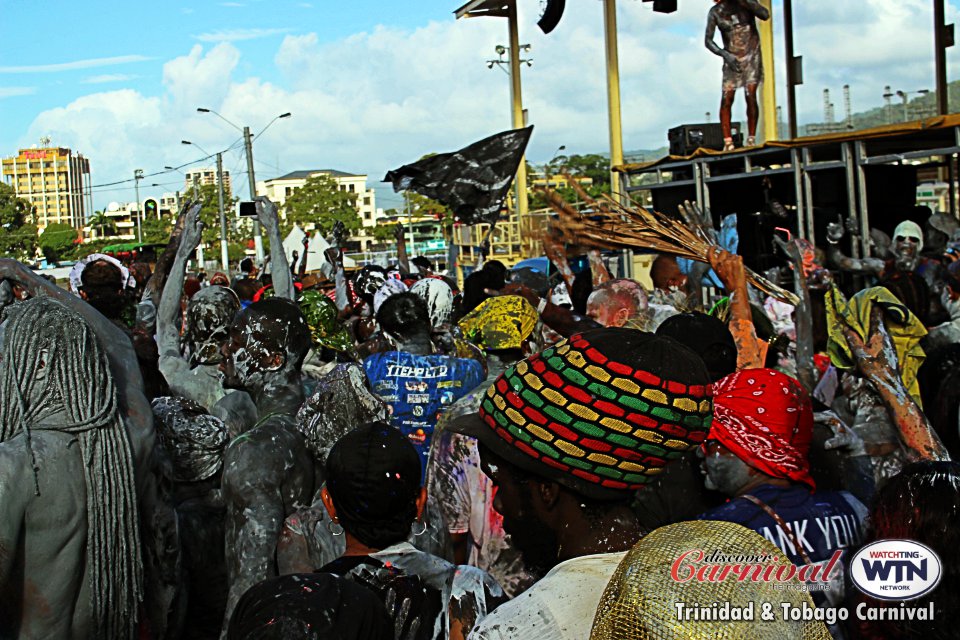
(382,98)
(10,92)
(88,63)
(236,35)
(109,77)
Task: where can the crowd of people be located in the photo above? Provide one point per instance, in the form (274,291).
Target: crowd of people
(385,454)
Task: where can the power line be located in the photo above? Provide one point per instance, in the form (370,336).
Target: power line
(165,171)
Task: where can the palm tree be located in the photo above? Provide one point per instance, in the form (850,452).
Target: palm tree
(100,220)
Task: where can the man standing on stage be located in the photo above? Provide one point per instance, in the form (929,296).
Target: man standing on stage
(742,65)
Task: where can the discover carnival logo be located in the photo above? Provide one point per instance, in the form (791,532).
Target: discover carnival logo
(895,570)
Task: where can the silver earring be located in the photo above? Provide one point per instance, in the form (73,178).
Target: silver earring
(423,527)
(334,528)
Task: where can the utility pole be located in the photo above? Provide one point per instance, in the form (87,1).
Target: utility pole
(943,38)
(257,237)
(794,68)
(516,101)
(613,95)
(224,257)
(613,111)
(137,177)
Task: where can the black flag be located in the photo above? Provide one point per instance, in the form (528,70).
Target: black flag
(472,182)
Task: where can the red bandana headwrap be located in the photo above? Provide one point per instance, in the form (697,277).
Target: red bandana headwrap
(765,418)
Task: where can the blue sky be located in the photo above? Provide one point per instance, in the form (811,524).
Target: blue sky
(375,84)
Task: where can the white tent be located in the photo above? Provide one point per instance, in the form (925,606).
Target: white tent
(315,258)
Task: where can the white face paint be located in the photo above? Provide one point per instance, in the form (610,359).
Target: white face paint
(723,471)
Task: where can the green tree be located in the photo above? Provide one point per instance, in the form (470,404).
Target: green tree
(422,206)
(18,234)
(236,252)
(103,224)
(156,231)
(321,203)
(383,233)
(210,215)
(57,241)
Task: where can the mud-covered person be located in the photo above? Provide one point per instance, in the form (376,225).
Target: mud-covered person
(268,470)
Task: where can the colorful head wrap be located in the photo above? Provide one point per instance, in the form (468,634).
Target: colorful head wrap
(502,322)
(765,418)
(599,425)
(323,318)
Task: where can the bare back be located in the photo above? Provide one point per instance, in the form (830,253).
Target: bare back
(44,586)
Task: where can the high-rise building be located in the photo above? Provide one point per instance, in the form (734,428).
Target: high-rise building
(207,176)
(55,180)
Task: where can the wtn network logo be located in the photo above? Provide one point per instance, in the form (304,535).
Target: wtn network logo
(895,569)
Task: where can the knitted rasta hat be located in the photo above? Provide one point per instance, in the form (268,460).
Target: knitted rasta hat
(602,412)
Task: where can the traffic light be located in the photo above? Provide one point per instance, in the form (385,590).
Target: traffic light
(552,13)
(664,6)
(150,208)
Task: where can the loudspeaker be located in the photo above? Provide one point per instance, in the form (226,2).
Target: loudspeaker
(664,6)
(687,138)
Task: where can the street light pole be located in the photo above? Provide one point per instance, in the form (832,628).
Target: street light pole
(137,177)
(248,147)
(224,257)
(257,234)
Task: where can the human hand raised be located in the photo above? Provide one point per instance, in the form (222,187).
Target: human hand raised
(834,232)
(728,267)
(192,230)
(844,437)
(267,214)
(876,356)
(339,233)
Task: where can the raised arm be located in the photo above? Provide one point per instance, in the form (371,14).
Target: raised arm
(403,261)
(168,335)
(303,261)
(729,268)
(154,289)
(803,318)
(334,256)
(757,9)
(877,360)
(282,281)
(837,259)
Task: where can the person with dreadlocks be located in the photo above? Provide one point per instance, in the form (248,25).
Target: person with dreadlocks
(190,362)
(268,470)
(69,551)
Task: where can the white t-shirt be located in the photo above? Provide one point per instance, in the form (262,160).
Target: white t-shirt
(561,606)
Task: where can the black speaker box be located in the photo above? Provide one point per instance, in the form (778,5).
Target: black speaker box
(687,138)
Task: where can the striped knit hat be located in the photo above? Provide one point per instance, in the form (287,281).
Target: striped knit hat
(602,412)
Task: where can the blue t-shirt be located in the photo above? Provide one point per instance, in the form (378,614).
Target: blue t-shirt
(418,388)
(822,521)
